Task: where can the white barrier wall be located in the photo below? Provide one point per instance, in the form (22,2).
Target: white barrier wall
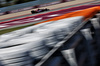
(34,41)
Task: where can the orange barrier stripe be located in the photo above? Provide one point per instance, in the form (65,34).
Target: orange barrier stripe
(87,13)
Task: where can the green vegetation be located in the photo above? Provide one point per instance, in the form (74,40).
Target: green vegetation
(12,29)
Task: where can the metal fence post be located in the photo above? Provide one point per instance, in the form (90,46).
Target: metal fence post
(69,55)
(87,34)
(96,26)
(98,16)
(95,23)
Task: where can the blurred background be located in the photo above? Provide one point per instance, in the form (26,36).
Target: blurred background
(4,3)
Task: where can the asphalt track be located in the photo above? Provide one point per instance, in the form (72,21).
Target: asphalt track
(41,17)
(52,8)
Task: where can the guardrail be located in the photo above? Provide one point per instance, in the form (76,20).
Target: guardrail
(80,48)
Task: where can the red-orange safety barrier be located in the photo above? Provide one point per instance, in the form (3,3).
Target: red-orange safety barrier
(87,13)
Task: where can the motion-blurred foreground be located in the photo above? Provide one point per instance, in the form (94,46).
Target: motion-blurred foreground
(71,39)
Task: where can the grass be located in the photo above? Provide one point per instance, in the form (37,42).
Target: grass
(13,29)
(16,28)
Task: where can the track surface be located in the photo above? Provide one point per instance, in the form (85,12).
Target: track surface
(52,7)
(41,16)
(15,22)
